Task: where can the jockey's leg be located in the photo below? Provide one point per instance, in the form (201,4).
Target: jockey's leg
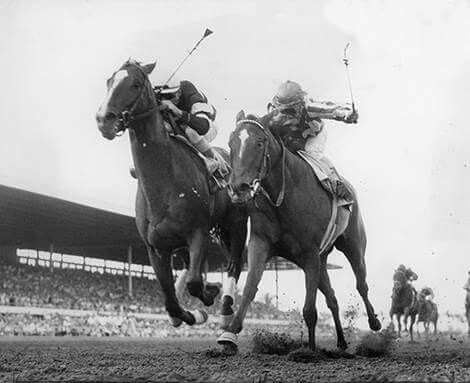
(202,143)
(315,146)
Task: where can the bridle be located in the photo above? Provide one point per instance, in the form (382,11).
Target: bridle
(255,185)
(128,116)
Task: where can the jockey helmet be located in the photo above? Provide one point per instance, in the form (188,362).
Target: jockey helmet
(289,95)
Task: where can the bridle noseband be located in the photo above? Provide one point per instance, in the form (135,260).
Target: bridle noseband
(255,186)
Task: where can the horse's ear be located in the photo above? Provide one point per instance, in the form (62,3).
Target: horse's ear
(241,116)
(148,68)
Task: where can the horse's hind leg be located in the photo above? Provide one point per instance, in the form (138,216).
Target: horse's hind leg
(160,262)
(332,303)
(354,250)
(198,246)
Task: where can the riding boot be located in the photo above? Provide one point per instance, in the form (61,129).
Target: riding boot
(343,191)
(132,172)
(216,163)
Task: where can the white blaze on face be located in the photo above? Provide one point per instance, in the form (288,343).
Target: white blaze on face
(243,135)
(119,76)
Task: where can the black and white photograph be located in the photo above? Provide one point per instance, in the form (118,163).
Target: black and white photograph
(234,191)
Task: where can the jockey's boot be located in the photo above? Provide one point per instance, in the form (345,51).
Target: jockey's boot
(218,169)
(132,172)
(216,163)
(343,191)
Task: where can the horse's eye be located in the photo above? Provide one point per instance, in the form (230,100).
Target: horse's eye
(136,86)
(260,144)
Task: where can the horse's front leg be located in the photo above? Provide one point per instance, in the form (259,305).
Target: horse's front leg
(160,261)
(235,238)
(312,279)
(258,251)
(198,246)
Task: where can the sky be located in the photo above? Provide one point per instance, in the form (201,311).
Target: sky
(408,156)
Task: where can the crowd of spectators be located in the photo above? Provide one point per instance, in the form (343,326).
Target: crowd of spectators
(105,295)
(25,285)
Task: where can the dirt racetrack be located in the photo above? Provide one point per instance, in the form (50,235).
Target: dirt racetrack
(443,358)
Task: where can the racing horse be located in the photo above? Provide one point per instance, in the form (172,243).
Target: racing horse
(404,303)
(174,206)
(289,212)
(427,312)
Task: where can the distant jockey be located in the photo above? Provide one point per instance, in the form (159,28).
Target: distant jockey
(196,117)
(404,275)
(297,108)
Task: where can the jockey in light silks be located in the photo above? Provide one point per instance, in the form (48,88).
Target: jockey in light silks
(292,102)
(196,117)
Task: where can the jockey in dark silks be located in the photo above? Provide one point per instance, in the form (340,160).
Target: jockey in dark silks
(196,118)
(404,275)
(295,108)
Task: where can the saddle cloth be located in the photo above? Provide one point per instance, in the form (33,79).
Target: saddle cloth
(340,208)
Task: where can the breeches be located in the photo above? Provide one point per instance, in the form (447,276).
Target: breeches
(202,142)
(315,145)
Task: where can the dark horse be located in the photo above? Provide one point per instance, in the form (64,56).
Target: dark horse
(404,302)
(174,207)
(289,212)
(427,313)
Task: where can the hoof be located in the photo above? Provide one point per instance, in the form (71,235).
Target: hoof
(375,324)
(342,345)
(200,316)
(175,322)
(225,321)
(227,338)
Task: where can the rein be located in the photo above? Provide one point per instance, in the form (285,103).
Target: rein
(265,167)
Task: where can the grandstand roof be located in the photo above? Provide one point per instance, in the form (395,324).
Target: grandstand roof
(35,221)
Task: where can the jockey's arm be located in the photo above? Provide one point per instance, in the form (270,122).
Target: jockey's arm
(198,121)
(331,111)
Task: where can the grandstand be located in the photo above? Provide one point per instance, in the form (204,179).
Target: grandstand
(67,268)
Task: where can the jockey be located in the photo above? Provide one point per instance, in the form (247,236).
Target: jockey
(293,103)
(427,293)
(404,274)
(196,117)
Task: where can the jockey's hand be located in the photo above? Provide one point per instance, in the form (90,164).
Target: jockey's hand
(352,117)
(172,108)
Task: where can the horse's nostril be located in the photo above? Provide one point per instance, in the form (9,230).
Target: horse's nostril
(244,187)
(110,116)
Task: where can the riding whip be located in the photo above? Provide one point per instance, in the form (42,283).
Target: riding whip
(346,63)
(207,32)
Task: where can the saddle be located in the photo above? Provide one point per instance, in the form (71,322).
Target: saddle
(340,208)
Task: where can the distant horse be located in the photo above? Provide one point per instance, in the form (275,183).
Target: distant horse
(427,313)
(174,207)
(404,303)
(289,213)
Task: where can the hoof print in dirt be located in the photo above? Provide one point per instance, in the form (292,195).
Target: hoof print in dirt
(305,355)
